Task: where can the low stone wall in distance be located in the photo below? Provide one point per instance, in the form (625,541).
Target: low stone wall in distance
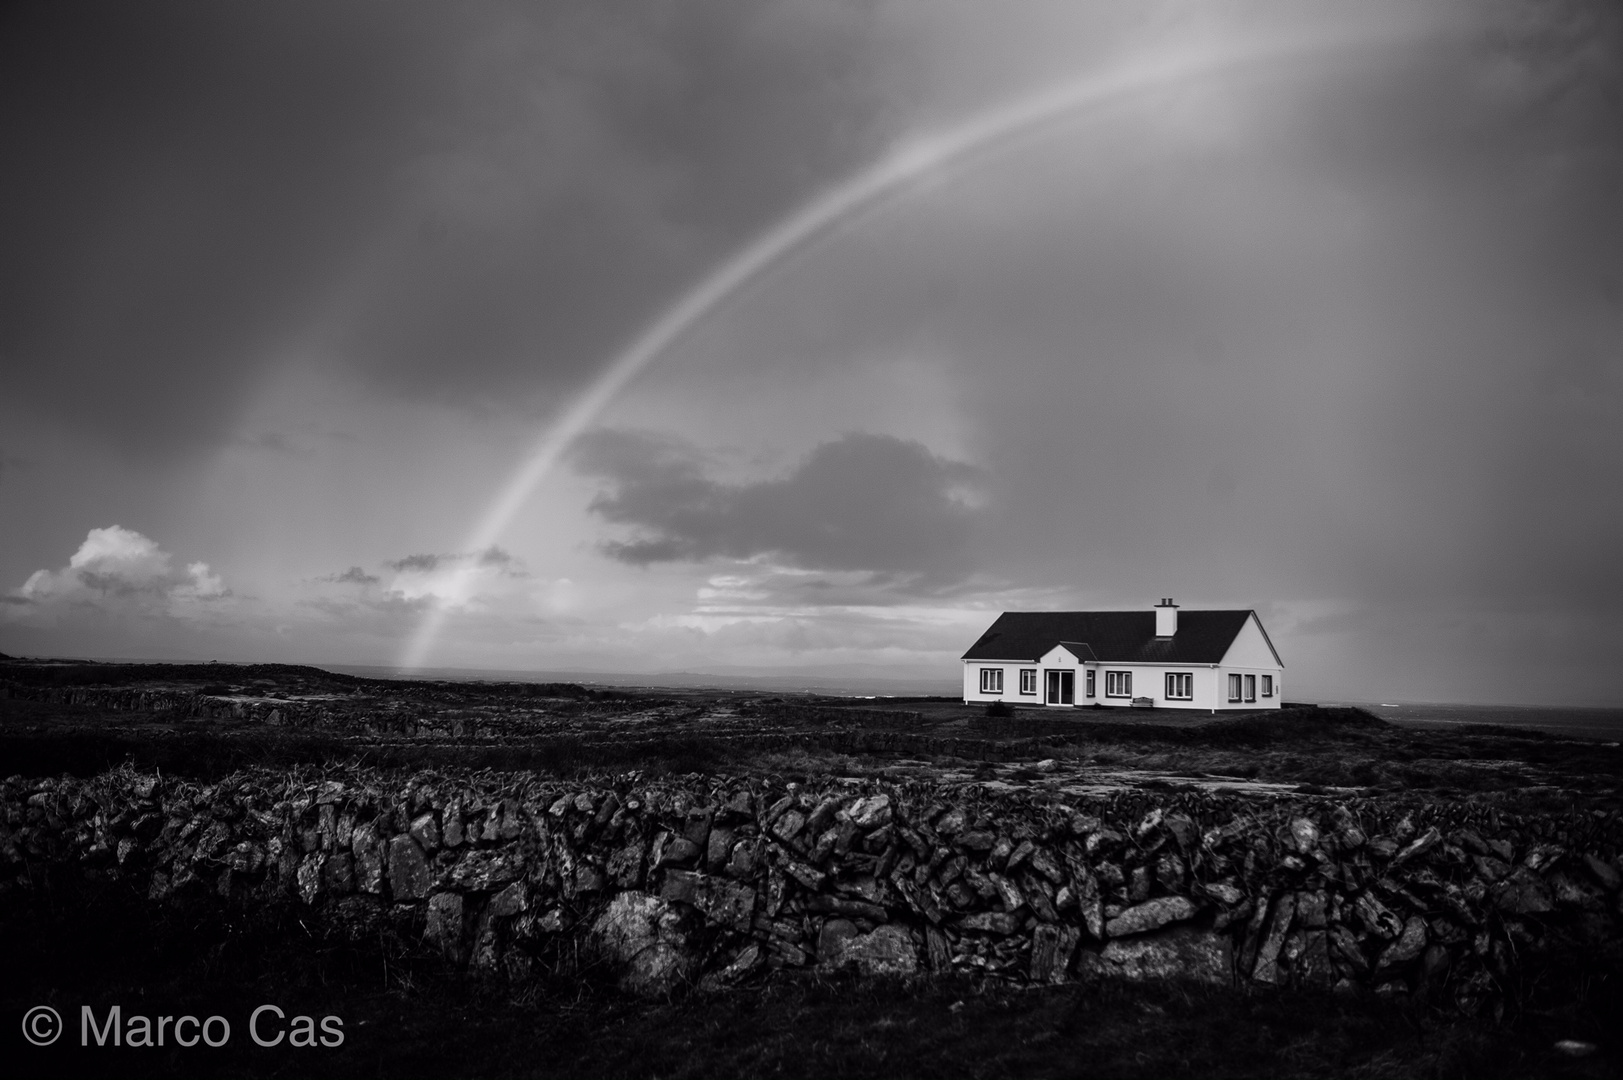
(712,880)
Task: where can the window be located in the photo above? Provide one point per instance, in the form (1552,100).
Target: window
(1180,686)
(1090,683)
(1234,688)
(1118,684)
(1251,688)
(991,680)
(1267,686)
(1028,680)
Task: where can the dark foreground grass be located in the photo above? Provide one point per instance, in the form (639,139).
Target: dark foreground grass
(404,1014)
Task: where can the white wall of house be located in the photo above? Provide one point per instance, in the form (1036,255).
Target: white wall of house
(1251,658)
(1210,689)
(1250,650)
(1011,681)
(1262,700)
(1207,687)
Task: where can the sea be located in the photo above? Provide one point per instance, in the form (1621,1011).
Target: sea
(1598,724)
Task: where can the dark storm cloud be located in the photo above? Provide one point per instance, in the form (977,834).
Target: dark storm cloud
(863,502)
(355,576)
(422,563)
(495,556)
(301,441)
(491,557)
(178,181)
(1374,352)
(452,200)
(1496,169)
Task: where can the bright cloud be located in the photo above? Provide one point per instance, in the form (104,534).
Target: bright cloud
(118,569)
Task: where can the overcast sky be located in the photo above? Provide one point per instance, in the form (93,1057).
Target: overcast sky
(289,290)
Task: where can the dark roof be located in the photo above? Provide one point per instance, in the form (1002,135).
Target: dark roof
(1203,637)
(1081,650)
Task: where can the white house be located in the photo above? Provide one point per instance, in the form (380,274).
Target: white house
(1164,659)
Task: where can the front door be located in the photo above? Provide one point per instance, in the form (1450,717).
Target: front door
(1061,687)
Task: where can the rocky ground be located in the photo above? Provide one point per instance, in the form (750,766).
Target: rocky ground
(713,883)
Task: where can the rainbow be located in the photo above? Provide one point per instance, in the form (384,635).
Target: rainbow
(893,175)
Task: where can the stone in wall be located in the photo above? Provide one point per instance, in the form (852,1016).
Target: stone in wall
(885,950)
(1179,952)
(722,902)
(1052,950)
(1151,915)
(652,941)
(409,877)
(444,927)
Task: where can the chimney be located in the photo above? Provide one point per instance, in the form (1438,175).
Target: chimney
(1166,618)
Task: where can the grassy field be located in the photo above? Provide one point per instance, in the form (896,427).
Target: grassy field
(1329,749)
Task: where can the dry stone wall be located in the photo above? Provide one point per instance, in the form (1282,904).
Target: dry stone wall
(710,880)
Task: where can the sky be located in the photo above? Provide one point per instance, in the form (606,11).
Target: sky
(1311,308)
